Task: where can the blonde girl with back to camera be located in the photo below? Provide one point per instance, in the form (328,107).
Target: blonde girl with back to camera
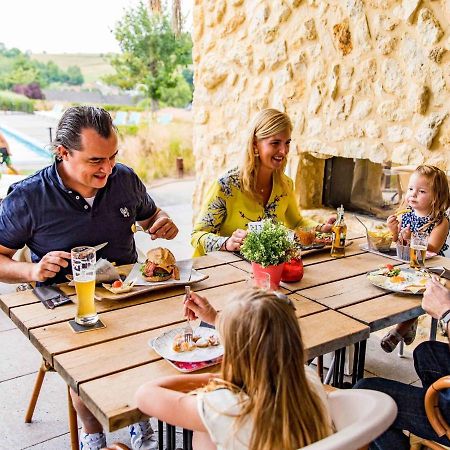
(264,398)
(427,201)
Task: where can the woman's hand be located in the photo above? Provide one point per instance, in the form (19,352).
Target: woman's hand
(328,225)
(197,306)
(234,242)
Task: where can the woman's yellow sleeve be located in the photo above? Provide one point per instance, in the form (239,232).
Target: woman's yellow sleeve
(293,217)
(205,236)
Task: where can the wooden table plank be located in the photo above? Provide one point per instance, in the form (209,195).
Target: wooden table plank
(321,332)
(111,399)
(382,312)
(83,365)
(338,269)
(53,339)
(339,294)
(35,315)
(330,330)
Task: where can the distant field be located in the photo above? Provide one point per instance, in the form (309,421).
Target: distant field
(93,66)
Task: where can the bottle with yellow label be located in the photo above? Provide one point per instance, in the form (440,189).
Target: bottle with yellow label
(339,233)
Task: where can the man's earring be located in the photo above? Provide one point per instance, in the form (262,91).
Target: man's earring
(256,154)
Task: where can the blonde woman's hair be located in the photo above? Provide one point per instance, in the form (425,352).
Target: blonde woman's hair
(263,361)
(441,195)
(266,123)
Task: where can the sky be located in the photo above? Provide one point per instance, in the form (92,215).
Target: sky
(64,26)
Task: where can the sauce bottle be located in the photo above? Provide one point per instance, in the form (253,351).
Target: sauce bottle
(339,233)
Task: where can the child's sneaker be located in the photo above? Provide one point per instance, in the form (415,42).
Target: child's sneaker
(92,441)
(142,436)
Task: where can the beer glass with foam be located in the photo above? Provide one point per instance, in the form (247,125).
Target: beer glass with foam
(418,250)
(83,270)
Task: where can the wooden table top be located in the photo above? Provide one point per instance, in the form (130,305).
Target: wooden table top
(335,306)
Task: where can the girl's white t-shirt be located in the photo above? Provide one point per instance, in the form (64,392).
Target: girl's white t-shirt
(217,408)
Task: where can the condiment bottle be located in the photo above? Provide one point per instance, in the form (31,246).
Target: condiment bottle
(339,233)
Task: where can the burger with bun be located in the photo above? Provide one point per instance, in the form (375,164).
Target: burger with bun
(160,265)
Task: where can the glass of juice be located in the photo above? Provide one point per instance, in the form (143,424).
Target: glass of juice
(418,250)
(83,270)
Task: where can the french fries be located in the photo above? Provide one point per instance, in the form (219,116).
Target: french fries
(402,211)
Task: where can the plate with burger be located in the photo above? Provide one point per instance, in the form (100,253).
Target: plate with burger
(159,270)
(159,266)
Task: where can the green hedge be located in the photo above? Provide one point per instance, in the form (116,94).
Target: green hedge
(9,101)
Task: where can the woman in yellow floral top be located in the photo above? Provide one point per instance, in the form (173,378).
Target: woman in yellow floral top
(257,190)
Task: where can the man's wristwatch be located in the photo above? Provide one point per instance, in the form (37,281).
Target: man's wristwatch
(445,319)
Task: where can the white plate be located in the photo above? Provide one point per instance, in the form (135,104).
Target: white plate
(163,346)
(414,284)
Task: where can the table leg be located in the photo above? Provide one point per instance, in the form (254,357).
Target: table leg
(320,367)
(336,367)
(160,435)
(361,360)
(45,367)
(73,423)
(170,437)
(187,439)
(342,368)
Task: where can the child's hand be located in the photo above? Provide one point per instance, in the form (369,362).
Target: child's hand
(406,233)
(393,224)
(197,306)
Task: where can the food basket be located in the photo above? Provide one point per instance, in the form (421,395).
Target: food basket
(379,240)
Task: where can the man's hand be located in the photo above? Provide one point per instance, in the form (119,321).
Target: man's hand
(49,265)
(199,307)
(163,228)
(234,242)
(436,299)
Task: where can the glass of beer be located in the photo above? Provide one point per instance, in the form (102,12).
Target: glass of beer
(418,250)
(83,270)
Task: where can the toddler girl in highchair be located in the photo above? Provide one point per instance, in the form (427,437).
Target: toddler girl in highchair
(427,200)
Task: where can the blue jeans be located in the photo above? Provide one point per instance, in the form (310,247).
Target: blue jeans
(431,361)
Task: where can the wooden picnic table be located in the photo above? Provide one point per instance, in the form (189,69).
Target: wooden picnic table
(335,305)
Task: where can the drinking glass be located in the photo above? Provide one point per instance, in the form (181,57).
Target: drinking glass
(83,270)
(418,250)
(261,280)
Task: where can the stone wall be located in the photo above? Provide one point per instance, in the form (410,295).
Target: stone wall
(359,78)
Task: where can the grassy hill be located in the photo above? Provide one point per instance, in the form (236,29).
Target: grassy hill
(93,66)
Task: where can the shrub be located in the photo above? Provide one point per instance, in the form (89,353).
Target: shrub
(31,90)
(9,101)
(270,246)
(152,153)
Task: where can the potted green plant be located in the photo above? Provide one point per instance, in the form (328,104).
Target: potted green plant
(268,249)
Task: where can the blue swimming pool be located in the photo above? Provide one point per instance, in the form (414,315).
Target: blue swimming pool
(24,152)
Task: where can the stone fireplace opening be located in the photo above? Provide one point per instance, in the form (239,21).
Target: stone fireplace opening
(360,186)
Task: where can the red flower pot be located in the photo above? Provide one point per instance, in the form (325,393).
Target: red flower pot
(293,270)
(273,271)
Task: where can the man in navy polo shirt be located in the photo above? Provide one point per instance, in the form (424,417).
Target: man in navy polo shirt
(84,198)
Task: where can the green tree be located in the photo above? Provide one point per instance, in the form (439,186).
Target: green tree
(75,77)
(151,53)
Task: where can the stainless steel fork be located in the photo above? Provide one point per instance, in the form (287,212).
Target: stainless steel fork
(188,332)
